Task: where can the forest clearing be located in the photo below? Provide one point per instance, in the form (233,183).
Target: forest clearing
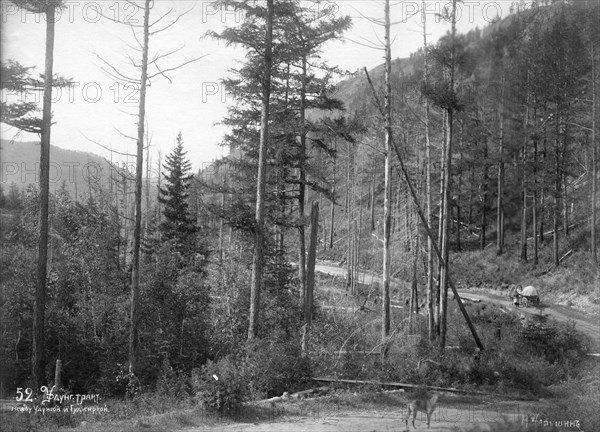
(288,215)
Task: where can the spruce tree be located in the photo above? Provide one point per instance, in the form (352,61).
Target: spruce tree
(178,225)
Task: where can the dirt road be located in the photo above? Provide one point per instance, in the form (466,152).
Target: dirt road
(589,326)
(444,419)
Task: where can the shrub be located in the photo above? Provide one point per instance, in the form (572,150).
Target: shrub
(578,400)
(171,383)
(560,344)
(127,382)
(221,386)
(276,367)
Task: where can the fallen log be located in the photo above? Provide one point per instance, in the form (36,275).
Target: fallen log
(565,256)
(304,394)
(400,385)
(471,299)
(377,352)
(319,391)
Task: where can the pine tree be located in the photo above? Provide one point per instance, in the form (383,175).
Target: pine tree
(178,225)
(43,127)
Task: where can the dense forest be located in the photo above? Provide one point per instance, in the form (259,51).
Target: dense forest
(477,152)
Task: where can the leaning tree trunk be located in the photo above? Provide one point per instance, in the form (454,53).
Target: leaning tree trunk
(426,225)
(37,352)
(257,260)
(137,231)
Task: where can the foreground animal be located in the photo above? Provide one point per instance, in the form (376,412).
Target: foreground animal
(423,403)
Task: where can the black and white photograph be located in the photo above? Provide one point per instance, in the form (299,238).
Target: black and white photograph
(299,215)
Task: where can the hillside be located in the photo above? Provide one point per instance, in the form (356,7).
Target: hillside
(529,41)
(77,170)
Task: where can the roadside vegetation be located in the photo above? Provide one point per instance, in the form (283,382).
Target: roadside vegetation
(202,306)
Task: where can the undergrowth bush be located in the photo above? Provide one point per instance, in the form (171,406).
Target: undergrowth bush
(577,400)
(559,343)
(221,386)
(266,369)
(171,383)
(275,367)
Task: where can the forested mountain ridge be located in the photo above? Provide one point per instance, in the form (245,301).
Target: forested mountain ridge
(492,65)
(20,165)
(80,171)
(522,162)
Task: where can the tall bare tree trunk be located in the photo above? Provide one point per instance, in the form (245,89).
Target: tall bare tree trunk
(445,243)
(39,316)
(447,195)
(542,196)
(137,230)
(257,260)
(302,181)
(372,197)
(158,209)
(221,221)
(458,192)
(441,218)
(565,205)
(323,225)
(387,215)
(556,206)
(470,212)
(593,228)
(310,273)
(356,223)
(349,221)
(523,256)
(534,208)
(147,218)
(484,196)
(428,191)
(499,205)
(332,215)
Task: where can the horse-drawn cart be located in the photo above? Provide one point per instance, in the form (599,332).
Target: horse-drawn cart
(529,296)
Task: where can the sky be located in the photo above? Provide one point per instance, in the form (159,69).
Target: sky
(99,112)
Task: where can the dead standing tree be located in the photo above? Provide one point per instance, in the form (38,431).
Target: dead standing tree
(141,48)
(386,112)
